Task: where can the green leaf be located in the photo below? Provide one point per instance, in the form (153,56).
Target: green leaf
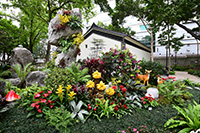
(31,114)
(39,115)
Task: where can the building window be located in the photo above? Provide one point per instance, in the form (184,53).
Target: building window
(143,28)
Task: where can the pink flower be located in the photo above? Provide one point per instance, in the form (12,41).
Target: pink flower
(51,106)
(46,95)
(144,102)
(37,95)
(49,92)
(33,105)
(174,79)
(43,100)
(39,110)
(134,129)
(102,62)
(37,106)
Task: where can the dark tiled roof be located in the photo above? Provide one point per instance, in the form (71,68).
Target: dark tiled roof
(116,36)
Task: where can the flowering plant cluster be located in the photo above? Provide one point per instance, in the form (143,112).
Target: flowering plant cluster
(148,101)
(69,95)
(42,101)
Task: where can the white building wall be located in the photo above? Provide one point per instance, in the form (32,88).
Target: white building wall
(139,54)
(86,50)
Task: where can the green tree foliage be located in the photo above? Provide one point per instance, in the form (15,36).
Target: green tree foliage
(36,15)
(8,37)
(117,17)
(127,31)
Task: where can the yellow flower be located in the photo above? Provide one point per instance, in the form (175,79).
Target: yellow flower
(110,91)
(71,95)
(60,90)
(132,75)
(68,88)
(101,86)
(96,75)
(138,71)
(79,39)
(137,82)
(119,81)
(113,81)
(90,84)
(64,19)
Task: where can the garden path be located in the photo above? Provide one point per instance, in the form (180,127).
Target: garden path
(184,75)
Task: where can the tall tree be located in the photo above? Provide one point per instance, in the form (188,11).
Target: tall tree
(9,37)
(45,10)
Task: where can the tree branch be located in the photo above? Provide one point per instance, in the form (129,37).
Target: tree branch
(189,31)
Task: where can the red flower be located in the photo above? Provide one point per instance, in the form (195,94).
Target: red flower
(171,77)
(102,62)
(49,92)
(124,90)
(41,92)
(120,104)
(121,86)
(114,87)
(43,100)
(39,110)
(95,109)
(46,95)
(33,105)
(116,108)
(164,79)
(174,79)
(125,106)
(37,95)
(112,103)
(89,107)
(37,106)
(144,102)
(97,105)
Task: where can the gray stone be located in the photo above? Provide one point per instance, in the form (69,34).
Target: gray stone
(21,56)
(36,77)
(14,81)
(153,92)
(54,34)
(67,58)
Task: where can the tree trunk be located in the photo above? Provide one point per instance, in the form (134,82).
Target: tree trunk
(48,52)
(152,47)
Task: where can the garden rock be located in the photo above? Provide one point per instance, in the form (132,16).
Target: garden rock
(2,88)
(14,81)
(153,92)
(36,77)
(21,56)
(54,35)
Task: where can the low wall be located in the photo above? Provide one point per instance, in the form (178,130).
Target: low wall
(181,60)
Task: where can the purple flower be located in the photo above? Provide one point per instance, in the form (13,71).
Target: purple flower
(136,74)
(134,61)
(131,57)
(124,64)
(133,67)
(138,67)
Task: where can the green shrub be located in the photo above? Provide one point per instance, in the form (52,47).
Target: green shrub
(194,72)
(173,92)
(60,118)
(156,67)
(187,118)
(58,76)
(171,72)
(180,67)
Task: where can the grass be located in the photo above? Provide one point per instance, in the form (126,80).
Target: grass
(14,121)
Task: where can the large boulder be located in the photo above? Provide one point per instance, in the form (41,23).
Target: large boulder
(21,56)
(14,81)
(36,77)
(54,34)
